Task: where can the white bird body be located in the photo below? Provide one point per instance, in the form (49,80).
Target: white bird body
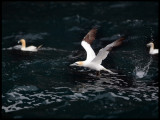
(152,51)
(93,66)
(155,51)
(29,48)
(92,61)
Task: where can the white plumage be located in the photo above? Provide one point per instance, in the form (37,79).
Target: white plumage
(90,53)
(92,61)
(152,51)
(29,48)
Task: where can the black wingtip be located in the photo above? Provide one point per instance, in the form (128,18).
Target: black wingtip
(96,27)
(90,37)
(119,41)
(124,36)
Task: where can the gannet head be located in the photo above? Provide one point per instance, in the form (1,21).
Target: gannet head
(79,63)
(21,40)
(149,44)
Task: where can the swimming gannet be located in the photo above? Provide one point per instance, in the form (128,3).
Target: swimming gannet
(92,61)
(152,51)
(29,48)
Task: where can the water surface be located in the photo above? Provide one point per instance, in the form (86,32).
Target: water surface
(42,85)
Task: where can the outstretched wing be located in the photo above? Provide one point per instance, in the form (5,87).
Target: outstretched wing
(86,43)
(102,54)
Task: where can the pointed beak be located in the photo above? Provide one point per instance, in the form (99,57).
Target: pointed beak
(147,45)
(18,41)
(74,64)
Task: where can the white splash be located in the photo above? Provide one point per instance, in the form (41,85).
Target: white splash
(141,72)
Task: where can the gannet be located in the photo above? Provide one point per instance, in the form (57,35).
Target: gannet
(92,61)
(29,48)
(152,51)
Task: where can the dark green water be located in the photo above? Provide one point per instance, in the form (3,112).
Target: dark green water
(42,85)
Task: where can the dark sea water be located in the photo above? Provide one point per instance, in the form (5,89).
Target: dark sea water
(43,85)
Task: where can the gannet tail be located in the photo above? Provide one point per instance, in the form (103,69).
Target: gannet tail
(109,71)
(39,46)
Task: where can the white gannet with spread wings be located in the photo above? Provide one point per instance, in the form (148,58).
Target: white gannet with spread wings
(92,61)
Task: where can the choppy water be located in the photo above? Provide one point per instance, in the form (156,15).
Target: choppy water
(42,85)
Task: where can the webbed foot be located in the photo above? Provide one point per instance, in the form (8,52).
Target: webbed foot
(98,74)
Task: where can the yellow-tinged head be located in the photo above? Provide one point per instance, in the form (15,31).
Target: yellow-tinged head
(79,63)
(23,42)
(150,44)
